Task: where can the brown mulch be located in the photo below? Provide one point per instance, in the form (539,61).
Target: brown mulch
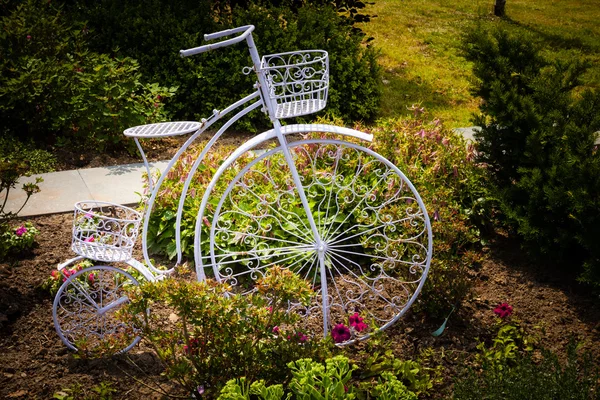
(35,364)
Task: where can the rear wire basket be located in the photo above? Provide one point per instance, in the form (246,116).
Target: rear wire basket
(298,81)
(104,231)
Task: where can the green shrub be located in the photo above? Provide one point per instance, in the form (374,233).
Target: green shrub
(538,133)
(312,380)
(212,338)
(57,277)
(154,31)
(17,160)
(441,167)
(526,378)
(51,84)
(436,160)
(14,241)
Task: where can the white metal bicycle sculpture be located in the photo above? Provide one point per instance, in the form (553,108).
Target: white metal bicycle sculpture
(330,209)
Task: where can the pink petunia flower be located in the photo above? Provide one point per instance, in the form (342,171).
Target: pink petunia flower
(89,239)
(276,330)
(361,326)
(340,333)
(503,310)
(91,277)
(302,337)
(355,319)
(20,231)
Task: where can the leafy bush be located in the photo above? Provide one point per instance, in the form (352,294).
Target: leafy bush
(16,240)
(438,162)
(313,380)
(51,84)
(527,378)
(211,338)
(538,133)
(441,166)
(58,277)
(16,160)
(154,31)
(415,376)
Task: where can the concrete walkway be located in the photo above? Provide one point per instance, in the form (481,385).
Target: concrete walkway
(61,190)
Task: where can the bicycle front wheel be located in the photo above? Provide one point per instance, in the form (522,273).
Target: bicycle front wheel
(374,232)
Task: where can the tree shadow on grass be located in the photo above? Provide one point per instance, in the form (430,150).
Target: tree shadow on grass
(557,40)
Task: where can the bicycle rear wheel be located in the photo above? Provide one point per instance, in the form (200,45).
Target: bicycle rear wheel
(84,311)
(374,232)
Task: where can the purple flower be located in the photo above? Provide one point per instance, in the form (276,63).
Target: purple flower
(340,333)
(357,322)
(436,216)
(302,337)
(21,231)
(89,215)
(503,310)
(361,326)
(355,319)
(200,389)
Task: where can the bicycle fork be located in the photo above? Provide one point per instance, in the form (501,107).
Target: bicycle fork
(319,245)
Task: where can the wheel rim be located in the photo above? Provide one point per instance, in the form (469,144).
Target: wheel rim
(375,231)
(84,308)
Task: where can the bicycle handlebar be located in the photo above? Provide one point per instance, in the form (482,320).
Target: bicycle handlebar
(247,30)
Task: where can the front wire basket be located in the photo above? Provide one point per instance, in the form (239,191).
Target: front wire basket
(104,231)
(298,81)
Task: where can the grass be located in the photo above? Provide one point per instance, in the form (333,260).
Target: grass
(420,40)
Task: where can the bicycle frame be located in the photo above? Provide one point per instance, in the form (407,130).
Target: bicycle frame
(260,98)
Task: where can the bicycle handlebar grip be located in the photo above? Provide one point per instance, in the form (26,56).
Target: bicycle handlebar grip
(247,29)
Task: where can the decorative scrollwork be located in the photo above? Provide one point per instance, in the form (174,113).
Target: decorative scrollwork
(298,82)
(376,248)
(104,231)
(85,305)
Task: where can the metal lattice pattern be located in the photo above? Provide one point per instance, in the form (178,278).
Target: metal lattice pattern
(104,231)
(374,230)
(85,305)
(298,82)
(163,129)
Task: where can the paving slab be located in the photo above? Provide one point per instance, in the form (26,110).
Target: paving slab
(61,190)
(121,184)
(57,193)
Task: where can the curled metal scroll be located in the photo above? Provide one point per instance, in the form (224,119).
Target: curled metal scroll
(376,231)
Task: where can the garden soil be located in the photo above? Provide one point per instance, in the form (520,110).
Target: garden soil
(35,364)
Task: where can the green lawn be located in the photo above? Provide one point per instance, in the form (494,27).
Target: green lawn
(419,41)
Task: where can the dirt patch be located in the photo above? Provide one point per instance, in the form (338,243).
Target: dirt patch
(35,364)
